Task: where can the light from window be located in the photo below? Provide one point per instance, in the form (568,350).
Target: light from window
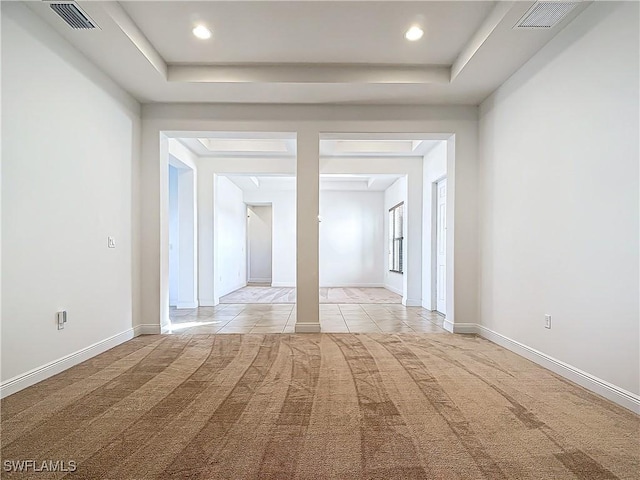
(396,253)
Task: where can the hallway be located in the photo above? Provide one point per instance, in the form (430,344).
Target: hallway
(280,318)
(267,294)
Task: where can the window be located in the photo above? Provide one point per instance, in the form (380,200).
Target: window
(396,254)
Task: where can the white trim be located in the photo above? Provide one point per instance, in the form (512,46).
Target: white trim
(237,286)
(147,329)
(412,302)
(307,328)
(208,303)
(259,280)
(47,370)
(448,325)
(283,284)
(433,295)
(187,305)
(609,391)
(463,327)
(393,289)
(353,285)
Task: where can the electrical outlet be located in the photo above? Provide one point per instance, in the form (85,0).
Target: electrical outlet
(547,321)
(111,242)
(61,317)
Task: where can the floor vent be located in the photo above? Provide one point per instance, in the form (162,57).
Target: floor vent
(73,16)
(545,14)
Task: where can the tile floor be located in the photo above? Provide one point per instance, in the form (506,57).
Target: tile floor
(280,318)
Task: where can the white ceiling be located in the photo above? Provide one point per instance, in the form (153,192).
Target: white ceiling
(334,182)
(307,52)
(308,32)
(231,146)
(268,145)
(240,144)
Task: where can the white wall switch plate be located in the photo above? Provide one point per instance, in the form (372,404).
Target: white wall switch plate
(111,242)
(62,319)
(547,321)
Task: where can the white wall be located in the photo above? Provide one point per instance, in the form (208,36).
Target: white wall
(185,270)
(208,169)
(352,246)
(187,195)
(70,149)
(559,198)
(393,195)
(259,243)
(231,227)
(411,167)
(174,237)
(283,204)
(434,169)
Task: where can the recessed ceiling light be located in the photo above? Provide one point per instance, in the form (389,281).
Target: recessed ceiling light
(202,32)
(413,34)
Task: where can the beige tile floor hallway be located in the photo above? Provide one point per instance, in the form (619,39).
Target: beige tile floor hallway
(280,318)
(339,295)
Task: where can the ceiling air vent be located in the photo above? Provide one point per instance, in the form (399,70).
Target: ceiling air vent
(545,14)
(72,15)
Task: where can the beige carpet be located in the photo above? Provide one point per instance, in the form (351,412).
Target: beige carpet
(341,295)
(320,406)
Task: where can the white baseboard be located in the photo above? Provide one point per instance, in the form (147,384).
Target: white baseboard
(393,289)
(307,328)
(43,372)
(147,329)
(208,303)
(180,305)
(259,280)
(449,327)
(233,289)
(609,391)
(411,302)
(337,285)
(463,327)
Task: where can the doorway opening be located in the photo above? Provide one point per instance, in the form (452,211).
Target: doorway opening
(259,245)
(183,270)
(249,179)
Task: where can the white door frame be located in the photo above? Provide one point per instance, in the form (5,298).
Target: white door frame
(162,126)
(434,241)
(248,242)
(438,284)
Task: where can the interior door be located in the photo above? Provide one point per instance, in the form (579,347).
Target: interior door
(441,245)
(259,240)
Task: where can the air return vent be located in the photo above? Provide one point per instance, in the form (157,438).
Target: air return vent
(72,15)
(545,14)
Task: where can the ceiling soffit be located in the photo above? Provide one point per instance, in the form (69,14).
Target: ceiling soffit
(308,52)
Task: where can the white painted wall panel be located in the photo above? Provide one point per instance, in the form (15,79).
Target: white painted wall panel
(435,168)
(174,238)
(283,204)
(393,195)
(559,198)
(352,247)
(231,225)
(70,150)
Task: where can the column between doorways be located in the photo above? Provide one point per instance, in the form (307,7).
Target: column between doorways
(307,232)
